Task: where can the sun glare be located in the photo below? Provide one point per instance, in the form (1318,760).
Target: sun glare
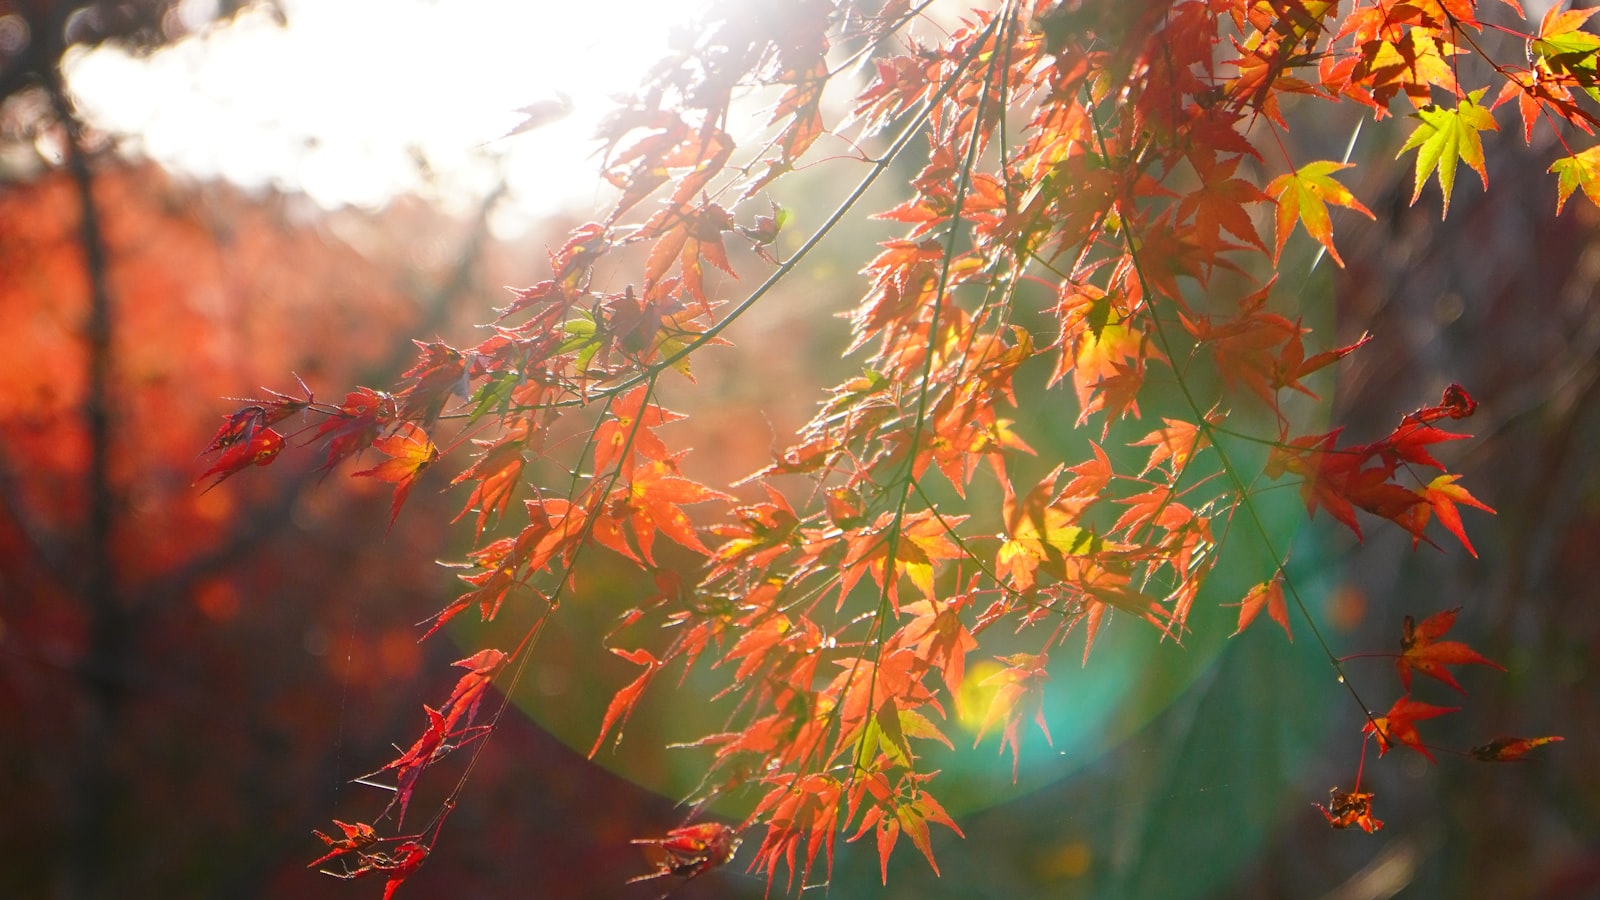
(357,101)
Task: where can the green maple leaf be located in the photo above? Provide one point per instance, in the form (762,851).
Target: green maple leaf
(1579,171)
(1446,136)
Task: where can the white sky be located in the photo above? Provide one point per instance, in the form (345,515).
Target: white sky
(344,102)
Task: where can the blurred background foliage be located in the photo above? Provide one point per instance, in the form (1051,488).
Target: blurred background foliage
(190,679)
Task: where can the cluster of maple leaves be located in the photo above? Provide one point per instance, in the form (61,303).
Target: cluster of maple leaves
(1121,152)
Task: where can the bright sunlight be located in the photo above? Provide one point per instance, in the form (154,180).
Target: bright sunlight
(357,101)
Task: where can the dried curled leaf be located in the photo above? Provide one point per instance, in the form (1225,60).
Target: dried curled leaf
(1346,808)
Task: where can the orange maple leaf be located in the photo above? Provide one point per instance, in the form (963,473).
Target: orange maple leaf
(621,706)
(1268,594)
(411,453)
(1443,494)
(1019,690)
(1304,195)
(497,471)
(653,503)
(631,428)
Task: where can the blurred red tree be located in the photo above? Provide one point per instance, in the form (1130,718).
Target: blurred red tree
(195,651)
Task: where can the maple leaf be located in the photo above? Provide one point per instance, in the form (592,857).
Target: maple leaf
(236,426)
(411,453)
(451,722)
(1442,494)
(1509,749)
(1177,441)
(1397,726)
(1565,49)
(906,809)
(462,705)
(756,641)
(539,114)
(621,706)
(1445,137)
(362,415)
(914,817)
(1090,476)
(1343,478)
(940,638)
(497,471)
(651,503)
(408,766)
(241,425)
(797,807)
(694,240)
(1409,443)
(631,426)
(922,542)
(1218,204)
(402,864)
(1421,650)
(1268,594)
(490,586)
(357,837)
(1019,690)
(1339,480)
(262,447)
(442,372)
(1259,349)
(691,851)
(1395,59)
(1539,95)
(802,103)
(1582,169)
(1039,531)
(1295,365)
(1304,195)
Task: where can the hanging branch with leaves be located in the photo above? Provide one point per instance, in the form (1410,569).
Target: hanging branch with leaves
(1128,155)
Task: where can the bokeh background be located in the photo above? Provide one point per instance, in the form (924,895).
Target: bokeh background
(190,680)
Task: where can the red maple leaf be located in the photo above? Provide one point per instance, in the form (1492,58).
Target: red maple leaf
(357,837)
(261,448)
(1397,726)
(691,851)
(441,372)
(356,424)
(1421,650)
(448,727)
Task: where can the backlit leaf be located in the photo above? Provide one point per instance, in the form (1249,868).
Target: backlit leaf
(1446,136)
